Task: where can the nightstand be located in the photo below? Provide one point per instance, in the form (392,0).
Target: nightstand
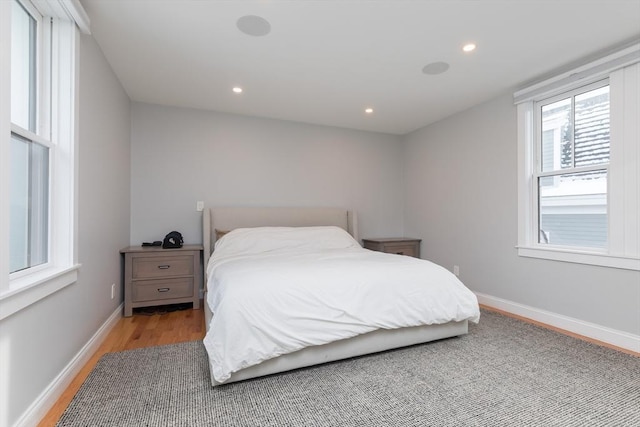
(156,276)
(394,245)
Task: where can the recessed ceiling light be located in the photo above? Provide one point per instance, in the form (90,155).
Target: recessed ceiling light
(237,89)
(435,68)
(469,47)
(368,110)
(253,25)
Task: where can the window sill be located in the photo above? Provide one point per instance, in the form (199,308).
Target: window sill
(29,289)
(578,257)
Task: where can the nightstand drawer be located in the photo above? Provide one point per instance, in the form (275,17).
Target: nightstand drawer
(401,250)
(162,289)
(394,245)
(150,267)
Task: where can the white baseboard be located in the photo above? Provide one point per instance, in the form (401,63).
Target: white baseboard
(590,330)
(39,408)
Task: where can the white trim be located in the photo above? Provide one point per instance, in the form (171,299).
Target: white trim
(526,166)
(5,138)
(66,9)
(578,257)
(611,336)
(624,236)
(63,187)
(76,11)
(28,289)
(588,72)
(45,401)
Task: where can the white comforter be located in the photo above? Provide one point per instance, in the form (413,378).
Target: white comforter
(275,290)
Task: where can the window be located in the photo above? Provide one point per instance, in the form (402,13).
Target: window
(579,162)
(37,144)
(572,168)
(29,160)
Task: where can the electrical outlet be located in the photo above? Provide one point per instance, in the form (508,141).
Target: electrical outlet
(199,206)
(113,290)
(456,270)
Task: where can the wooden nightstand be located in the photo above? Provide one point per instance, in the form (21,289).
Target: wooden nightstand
(394,245)
(156,276)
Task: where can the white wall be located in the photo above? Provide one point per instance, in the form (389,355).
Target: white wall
(461,198)
(180,156)
(43,338)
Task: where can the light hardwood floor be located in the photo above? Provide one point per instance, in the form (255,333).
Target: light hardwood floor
(138,331)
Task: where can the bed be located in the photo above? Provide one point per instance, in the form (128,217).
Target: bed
(260,324)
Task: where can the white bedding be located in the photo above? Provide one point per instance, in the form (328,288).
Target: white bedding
(275,290)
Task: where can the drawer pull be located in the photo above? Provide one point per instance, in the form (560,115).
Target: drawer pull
(164,289)
(164,267)
(399,253)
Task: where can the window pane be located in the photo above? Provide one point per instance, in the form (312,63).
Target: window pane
(573,209)
(23,68)
(29,204)
(557,150)
(19,205)
(592,127)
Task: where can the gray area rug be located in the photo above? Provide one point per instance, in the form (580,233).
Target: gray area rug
(503,373)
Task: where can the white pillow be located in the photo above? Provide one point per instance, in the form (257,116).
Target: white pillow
(258,240)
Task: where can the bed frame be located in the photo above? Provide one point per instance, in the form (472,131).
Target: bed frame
(380,340)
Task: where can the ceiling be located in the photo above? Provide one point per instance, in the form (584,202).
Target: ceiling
(324,62)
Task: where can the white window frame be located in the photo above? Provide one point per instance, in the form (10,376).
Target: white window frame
(40,133)
(622,69)
(57,128)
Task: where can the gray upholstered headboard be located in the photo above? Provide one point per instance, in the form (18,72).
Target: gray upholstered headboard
(229,218)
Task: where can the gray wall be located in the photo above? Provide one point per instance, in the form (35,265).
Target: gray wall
(180,156)
(45,336)
(461,197)
(143,167)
